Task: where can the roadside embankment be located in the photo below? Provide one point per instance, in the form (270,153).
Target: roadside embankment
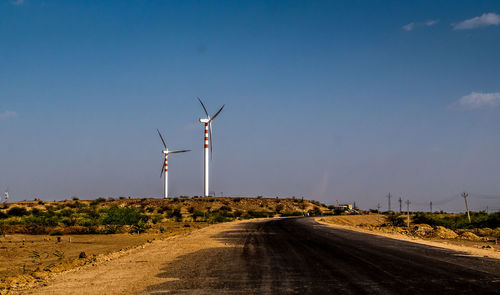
(459,240)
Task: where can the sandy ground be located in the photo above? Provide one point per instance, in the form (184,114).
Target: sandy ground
(351,222)
(170,263)
(134,271)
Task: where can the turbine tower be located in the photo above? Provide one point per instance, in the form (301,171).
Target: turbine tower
(165,164)
(208,133)
(6,196)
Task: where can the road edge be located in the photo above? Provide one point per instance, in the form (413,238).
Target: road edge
(470,251)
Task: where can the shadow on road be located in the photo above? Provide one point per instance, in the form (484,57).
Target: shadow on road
(299,256)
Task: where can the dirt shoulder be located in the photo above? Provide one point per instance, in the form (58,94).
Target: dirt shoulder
(356,221)
(133,271)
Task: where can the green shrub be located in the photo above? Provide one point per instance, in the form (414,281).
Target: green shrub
(176,213)
(17,211)
(97,201)
(279,208)
(225,208)
(140,227)
(315,211)
(164,209)
(258,214)
(197,214)
(396,220)
(123,216)
(459,221)
(111,228)
(66,212)
(156,218)
(41,220)
(87,221)
(217,218)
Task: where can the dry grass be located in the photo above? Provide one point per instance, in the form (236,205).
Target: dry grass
(28,258)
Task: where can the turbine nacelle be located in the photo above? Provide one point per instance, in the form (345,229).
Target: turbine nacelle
(205,120)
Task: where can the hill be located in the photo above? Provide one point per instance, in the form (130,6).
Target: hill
(141,215)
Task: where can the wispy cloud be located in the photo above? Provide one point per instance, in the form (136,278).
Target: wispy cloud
(408,27)
(487,19)
(8,114)
(413,25)
(477,100)
(431,22)
(17,2)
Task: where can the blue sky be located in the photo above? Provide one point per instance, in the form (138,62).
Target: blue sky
(331,100)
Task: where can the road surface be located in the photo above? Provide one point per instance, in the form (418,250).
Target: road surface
(300,256)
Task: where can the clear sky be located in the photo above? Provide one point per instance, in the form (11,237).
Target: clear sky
(330,100)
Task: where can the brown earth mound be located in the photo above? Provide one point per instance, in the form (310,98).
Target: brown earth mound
(422,230)
(444,233)
(469,236)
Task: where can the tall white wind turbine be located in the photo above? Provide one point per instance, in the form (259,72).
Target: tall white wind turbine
(164,168)
(208,133)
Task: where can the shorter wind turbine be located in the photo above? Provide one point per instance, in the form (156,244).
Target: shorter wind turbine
(165,164)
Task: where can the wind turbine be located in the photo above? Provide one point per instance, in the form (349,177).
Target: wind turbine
(208,133)
(165,165)
(6,196)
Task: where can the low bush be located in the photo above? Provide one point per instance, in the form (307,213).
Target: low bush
(459,221)
(315,211)
(396,220)
(257,214)
(98,201)
(176,214)
(17,211)
(123,216)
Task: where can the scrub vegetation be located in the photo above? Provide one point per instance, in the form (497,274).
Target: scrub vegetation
(108,216)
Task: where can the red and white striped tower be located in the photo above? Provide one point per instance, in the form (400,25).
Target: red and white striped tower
(206,179)
(207,136)
(165,184)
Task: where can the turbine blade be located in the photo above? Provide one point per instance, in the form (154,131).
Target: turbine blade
(162,169)
(179,151)
(203,106)
(164,144)
(218,112)
(210,134)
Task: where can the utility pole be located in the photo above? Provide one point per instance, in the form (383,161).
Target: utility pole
(430,204)
(465,195)
(389,202)
(354,206)
(400,201)
(408,212)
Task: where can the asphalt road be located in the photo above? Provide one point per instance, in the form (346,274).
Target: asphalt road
(300,256)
